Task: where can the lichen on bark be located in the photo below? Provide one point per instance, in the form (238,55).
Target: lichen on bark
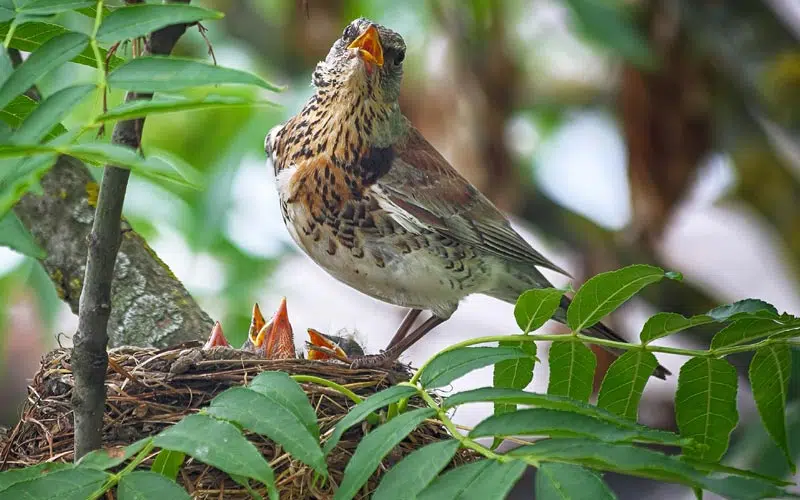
(150,307)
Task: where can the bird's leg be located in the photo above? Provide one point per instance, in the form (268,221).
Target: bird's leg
(404,327)
(394,352)
(390,355)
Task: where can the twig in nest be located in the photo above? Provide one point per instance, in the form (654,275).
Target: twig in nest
(202,29)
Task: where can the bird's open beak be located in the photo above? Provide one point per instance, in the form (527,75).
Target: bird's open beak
(217,338)
(369,46)
(319,340)
(273,340)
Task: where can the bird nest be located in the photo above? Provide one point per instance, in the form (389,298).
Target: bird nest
(149,389)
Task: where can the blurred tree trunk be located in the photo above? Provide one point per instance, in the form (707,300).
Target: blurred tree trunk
(667,122)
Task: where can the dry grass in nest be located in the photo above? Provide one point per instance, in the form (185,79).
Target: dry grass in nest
(149,389)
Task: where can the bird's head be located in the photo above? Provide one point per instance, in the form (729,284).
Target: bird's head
(367,58)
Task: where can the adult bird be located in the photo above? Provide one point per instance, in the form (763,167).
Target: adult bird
(372,202)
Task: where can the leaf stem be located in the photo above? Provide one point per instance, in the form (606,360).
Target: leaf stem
(328,383)
(98,19)
(115,478)
(10,34)
(578,337)
(466,441)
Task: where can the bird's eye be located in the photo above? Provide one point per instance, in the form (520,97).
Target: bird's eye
(400,56)
(349,32)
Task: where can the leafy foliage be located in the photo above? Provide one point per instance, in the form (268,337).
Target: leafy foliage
(487,479)
(376,445)
(559,481)
(624,382)
(25,158)
(572,366)
(450,365)
(14,236)
(246,406)
(142,484)
(769,378)
(217,443)
(409,477)
(582,438)
(706,404)
(589,305)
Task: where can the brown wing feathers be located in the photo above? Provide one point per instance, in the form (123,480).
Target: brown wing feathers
(424,185)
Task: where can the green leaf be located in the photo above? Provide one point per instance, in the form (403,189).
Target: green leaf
(732,471)
(741,488)
(572,366)
(607,24)
(514,373)
(555,481)
(168,463)
(518,397)
(743,309)
(637,461)
(14,236)
(106,458)
(416,471)
(5,132)
(265,414)
(484,480)
(243,481)
(514,396)
(374,447)
(163,74)
(7,10)
(535,307)
(666,323)
(559,423)
(91,12)
(770,370)
(6,68)
(622,458)
(31,35)
(161,166)
(16,178)
(17,110)
(48,115)
(605,292)
(65,484)
(450,365)
(14,476)
(146,485)
(279,387)
(705,405)
(171,104)
(363,409)
(49,56)
(49,7)
(139,20)
(219,444)
(154,167)
(624,383)
(747,330)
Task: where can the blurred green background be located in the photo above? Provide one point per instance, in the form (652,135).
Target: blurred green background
(647,131)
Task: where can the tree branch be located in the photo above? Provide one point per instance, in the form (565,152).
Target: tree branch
(89,357)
